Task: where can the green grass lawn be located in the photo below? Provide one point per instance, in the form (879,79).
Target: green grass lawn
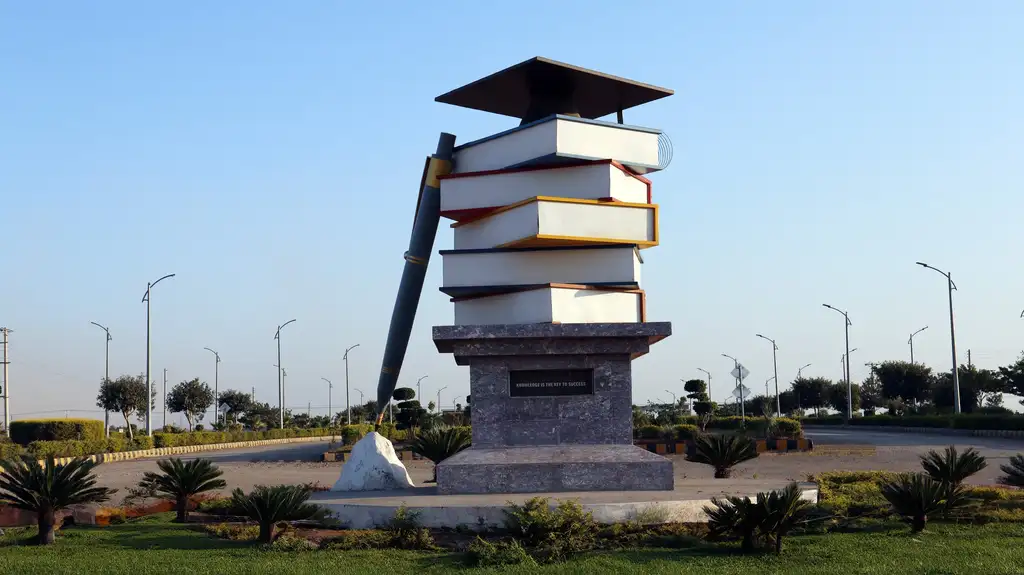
(154,545)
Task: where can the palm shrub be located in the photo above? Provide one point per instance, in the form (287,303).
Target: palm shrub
(785,510)
(737,516)
(47,488)
(915,496)
(440,443)
(722,451)
(180,481)
(952,467)
(1014,472)
(269,505)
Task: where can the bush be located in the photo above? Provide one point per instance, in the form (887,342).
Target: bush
(404,531)
(11,450)
(482,553)
(651,432)
(722,452)
(353,433)
(26,431)
(684,432)
(358,539)
(554,533)
(786,428)
(212,437)
(970,421)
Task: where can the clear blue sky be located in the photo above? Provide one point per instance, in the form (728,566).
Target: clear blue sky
(268,153)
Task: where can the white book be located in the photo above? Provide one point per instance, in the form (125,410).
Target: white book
(476,272)
(554,303)
(469,194)
(560,139)
(549,221)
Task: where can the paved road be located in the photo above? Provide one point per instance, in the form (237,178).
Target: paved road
(861,436)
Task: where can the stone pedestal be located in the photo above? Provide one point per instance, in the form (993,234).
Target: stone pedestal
(551,409)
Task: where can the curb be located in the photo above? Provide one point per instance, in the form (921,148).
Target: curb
(334,456)
(688,447)
(163,451)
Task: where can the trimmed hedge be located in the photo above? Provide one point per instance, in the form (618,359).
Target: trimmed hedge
(74,448)
(969,421)
(25,431)
(784,428)
(210,437)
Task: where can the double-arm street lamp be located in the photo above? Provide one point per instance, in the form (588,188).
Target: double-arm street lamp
(952,333)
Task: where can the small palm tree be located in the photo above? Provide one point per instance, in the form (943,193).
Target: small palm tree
(785,509)
(723,452)
(269,505)
(180,481)
(915,496)
(47,488)
(738,516)
(440,443)
(951,467)
(1014,472)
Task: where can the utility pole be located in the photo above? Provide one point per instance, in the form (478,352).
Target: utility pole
(280,375)
(952,333)
(252,395)
(106,377)
(216,391)
(846,364)
(7,382)
(911,342)
(164,401)
(149,382)
(969,365)
(330,409)
(775,366)
(348,405)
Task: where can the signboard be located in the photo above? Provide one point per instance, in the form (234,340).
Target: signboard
(739,372)
(550,382)
(743,391)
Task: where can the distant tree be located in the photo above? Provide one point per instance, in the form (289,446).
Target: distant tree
(871,397)
(404,394)
(696,391)
(260,415)
(975,385)
(787,400)
(125,395)
(236,401)
(320,421)
(410,414)
(811,392)
(910,381)
(1012,377)
(431,406)
(836,396)
(300,420)
(191,398)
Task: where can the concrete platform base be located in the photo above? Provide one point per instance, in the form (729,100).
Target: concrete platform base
(683,504)
(556,468)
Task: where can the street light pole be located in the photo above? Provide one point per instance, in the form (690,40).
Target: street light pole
(775,366)
(280,375)
(846,369)
(360,396)
(147,299)
(799,372)
(216,389)
(911,342)
(952,333)
(348,405)
(106,376)
(675,398)
(739,383)
(419,391)
(330,410)
(439,399)
(845,360)
(708,373)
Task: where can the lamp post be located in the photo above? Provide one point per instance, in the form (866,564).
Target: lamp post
(799,372)
(739,382)
(952,333)
(280,375)
(708,373)
(419,392)
(675,398)
(846,369)
(439,399)
(360,396)
(845,359)
(348,405)
(911,342)
(775,367)
(330,410)
(149,384)
(106,376)
(216,388)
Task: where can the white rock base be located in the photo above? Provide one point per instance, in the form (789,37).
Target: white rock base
(373,465)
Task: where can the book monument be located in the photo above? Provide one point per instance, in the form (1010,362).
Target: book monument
(550,221)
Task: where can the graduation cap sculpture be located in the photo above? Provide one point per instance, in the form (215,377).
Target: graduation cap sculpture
(558,106)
